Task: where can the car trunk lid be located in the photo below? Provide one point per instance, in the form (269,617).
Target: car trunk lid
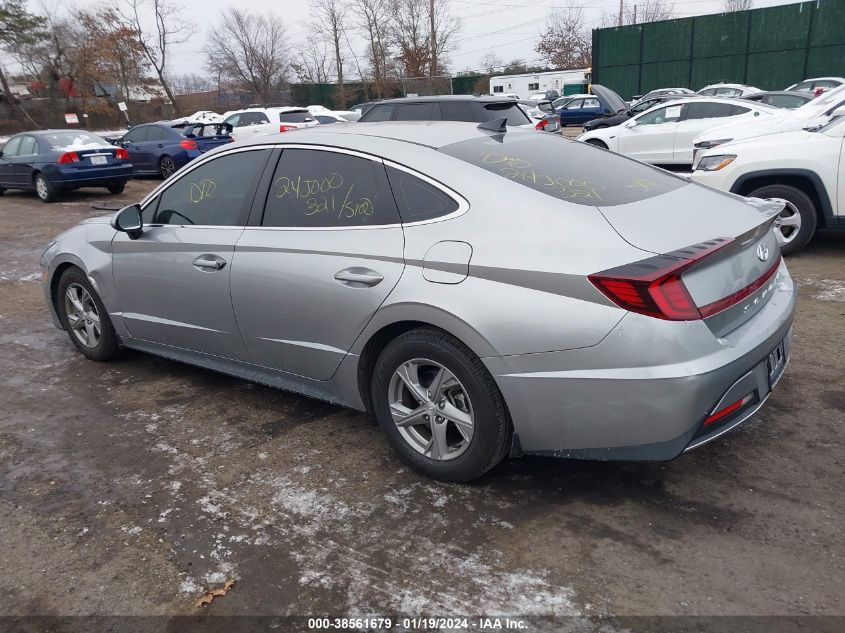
(208,135)
(721,248)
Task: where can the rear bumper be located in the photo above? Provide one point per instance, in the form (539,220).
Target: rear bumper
(68,176)
(644,392)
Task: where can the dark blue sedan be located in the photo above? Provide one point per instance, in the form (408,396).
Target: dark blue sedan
(55,160)
(162,148)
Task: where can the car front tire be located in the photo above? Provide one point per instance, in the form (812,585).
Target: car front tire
(85,318)
(439,406)
(796,224)
(116,187)
(43,189)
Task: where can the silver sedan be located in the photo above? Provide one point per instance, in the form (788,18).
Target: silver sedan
(483,291)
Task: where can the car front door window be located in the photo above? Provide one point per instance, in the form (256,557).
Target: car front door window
(329,251)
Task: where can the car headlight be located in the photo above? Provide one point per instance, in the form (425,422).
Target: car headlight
(715,163)
(712,144)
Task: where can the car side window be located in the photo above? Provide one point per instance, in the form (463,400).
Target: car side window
(575,104)
(459,111)
(137,135)
(591,103)
(418,112)
(707,93)
(379,113)
(325,120)
(669,114)
(233,120)
(11,148)
(156,133)
(320,189)
(785,101)
(217,193)
(417,199)
(29,146)
(642,107)
(705,110)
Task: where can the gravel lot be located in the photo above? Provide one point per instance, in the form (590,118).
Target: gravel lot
(134,486)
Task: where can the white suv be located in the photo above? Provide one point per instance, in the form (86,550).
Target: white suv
(804,168)
(253,122)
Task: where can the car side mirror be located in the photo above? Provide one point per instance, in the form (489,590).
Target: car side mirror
(840,111)
(631,123)
(128,220)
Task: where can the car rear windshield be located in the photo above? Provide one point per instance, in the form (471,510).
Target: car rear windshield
(567,170)
(73,140)
(511,111)
(295,117)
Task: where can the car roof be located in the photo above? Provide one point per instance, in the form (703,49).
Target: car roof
(429,99)
(791,93)
(433,134)
(724,85)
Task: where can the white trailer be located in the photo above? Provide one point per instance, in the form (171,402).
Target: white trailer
(528,83)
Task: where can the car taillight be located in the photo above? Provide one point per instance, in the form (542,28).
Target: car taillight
(121,154)
(68,157)
(188,144)
(286,128)
(653,286)
(541,124)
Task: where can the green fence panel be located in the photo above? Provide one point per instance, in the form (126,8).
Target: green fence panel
(775,71)
(713,70)
(780,28)
(619,46)
(667,41)
(622,79)
(720,35)
(664,75)
(828,24)
(826,61)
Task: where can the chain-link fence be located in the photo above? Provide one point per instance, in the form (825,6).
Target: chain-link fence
(426,86)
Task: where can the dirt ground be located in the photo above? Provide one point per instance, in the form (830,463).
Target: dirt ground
(132,487)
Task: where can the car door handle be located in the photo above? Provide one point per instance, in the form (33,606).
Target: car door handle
(358,277)
(209,262)
(160,145)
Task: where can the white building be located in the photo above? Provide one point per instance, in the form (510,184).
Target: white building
(528,83)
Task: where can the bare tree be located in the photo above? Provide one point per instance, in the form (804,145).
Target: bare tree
(566,41)
(737,5)
(373,20)
(251,49)
(648,11)
(639,12)
(411,30)
(330,24)
(192,83)
(443,26)
(491,63)
(313,63)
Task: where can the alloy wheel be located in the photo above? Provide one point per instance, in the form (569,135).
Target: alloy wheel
(168,167)
(82,316)
(787,224)
(431,409)
(41,187)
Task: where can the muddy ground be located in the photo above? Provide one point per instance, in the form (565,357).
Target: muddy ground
(132,487)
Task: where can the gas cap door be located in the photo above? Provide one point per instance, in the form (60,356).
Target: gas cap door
(447,262)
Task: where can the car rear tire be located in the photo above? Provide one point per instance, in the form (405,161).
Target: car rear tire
(2,191)
(85,318)
(43,189)
(596,142)
(166,167)
(116,187)
(439,406)
(796,224)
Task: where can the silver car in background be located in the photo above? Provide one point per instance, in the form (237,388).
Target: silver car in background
(483,292)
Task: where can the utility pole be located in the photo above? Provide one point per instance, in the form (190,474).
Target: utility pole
(621,6)
(432,69)
(635,14)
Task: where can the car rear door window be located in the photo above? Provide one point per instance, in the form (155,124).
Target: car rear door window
(29,146)
(217,193)
(378,113)
(708,110)
(156,133)
(321,189)
(591,103)
(459,111)
(417,199)
(418,112)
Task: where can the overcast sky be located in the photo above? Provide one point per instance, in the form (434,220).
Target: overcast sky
(509,28)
